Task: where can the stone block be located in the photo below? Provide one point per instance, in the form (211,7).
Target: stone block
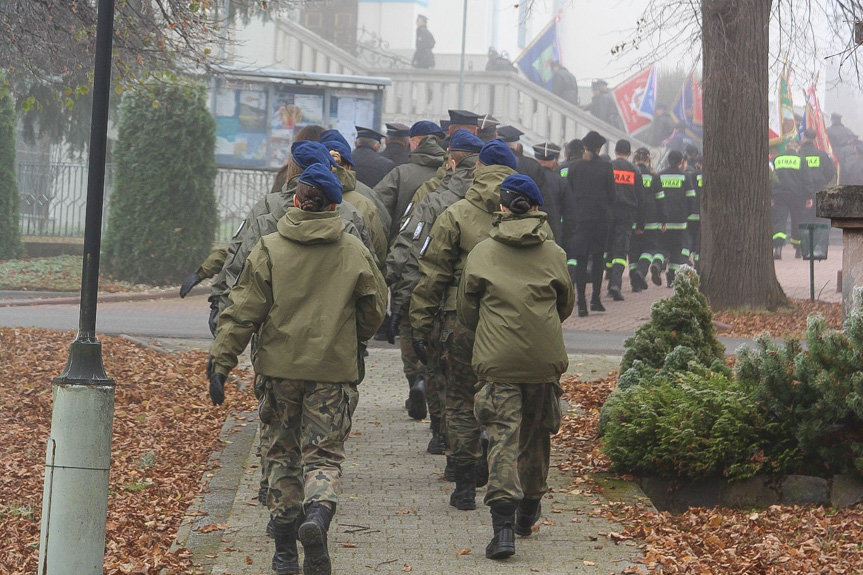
(841,203)
(805,490)
(759,491)
(847,490)
(676,495)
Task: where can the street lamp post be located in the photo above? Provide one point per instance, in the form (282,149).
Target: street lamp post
(75,497)
(461,68)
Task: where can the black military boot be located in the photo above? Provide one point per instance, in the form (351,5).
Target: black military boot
(503,543)
(669,277)
(482,464)
(463,497)
(595,303)
(313,536)
(285,559)
(777,252)
(655,274)
(411,379)
(798,253)
(582,308)
(449,470)
(437,445)
(526,516)
(262,495)
(417,398)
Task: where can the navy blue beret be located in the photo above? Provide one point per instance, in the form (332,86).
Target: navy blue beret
(464,141)
(497,153)
(306,153)
(425,128)
(523,186)
(321,177)
(334,141)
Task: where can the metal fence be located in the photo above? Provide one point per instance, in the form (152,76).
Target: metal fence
(54,198)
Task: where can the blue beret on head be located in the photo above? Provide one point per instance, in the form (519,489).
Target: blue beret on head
(463,141)
(306,153)
(425,128)
(497,153)
(321,177)
(333,140)
(523,186)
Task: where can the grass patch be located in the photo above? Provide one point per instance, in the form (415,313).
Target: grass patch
(56,273)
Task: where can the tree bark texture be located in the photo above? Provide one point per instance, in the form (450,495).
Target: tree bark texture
(737,269)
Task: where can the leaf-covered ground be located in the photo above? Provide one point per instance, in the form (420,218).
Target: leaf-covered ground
(165,429)
(780,540)
(784,322)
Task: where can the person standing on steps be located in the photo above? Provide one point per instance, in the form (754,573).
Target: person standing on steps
(514,293)
(311,292)
(591,181)
(423,56)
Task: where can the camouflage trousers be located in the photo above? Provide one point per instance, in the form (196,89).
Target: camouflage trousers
(520,419)
(435,380)
(311,423)
(463,429)
(410,361)
(265,418)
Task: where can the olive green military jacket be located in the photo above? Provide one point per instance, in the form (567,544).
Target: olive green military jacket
(454,234)
(311,292)
(262,220)
(213,264)
(366,207)
(419,226)
(514,292)
(399,185)
(383,214)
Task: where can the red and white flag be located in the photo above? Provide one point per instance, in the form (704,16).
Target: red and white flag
(629,96)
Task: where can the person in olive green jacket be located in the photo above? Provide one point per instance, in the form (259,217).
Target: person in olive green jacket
(311,292)
(209,268)
(397,188)
(443,253)
(514,292)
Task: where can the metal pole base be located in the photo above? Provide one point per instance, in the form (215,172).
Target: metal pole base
(75,499)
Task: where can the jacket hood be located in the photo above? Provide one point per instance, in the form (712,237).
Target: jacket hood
(519,229)
(428,153)
(290,187)
(485,191)
(310,227)
(348,179)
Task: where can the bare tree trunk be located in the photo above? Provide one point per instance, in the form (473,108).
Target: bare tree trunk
(737,260)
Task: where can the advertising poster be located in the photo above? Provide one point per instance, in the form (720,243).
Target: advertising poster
(289,113)
(241,120)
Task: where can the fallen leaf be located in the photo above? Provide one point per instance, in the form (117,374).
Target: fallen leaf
(464,551)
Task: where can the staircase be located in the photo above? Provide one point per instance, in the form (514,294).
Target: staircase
(427,94)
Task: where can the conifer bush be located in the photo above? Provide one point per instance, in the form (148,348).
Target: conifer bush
(10,201)
(163,216)
(684,319)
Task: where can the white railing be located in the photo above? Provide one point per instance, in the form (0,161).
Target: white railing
(428,94)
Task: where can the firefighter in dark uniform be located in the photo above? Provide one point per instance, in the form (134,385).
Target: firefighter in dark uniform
(677,187)
(370,166)
(591,183)
(649,223)
(692,245)
(398,143)
(627,200)
(823,172)
(791,186)
(524,164)
(555,194)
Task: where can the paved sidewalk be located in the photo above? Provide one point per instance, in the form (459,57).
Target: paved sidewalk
(394,516)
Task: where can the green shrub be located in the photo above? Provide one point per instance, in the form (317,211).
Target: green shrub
(684,319)
(814,396)
(163,214)
(10,201)
(695,424)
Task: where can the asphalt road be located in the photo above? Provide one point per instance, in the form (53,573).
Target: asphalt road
(176,318)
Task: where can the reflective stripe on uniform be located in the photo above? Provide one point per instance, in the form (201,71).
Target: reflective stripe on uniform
(694,217)
(660,195)
(646,256)
(685,252)
(676,226)
(780,236)
(571,263)
(618,262)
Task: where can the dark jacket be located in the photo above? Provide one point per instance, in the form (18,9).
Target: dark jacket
(370,166)
(554,192)
(627,187)
(821,166)
(396,153)
(423,57)
(792,175)
(603,107)
(564,84)
(677,189)
(592,187)
(651,214)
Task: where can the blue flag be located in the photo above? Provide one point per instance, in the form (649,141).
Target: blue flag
(687,108)
(535,61)
(648,101)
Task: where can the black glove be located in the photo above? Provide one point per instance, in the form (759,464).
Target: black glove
(421,349)
(213,321)
(393,328)
(188,283)
(209,366)
(217,388)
